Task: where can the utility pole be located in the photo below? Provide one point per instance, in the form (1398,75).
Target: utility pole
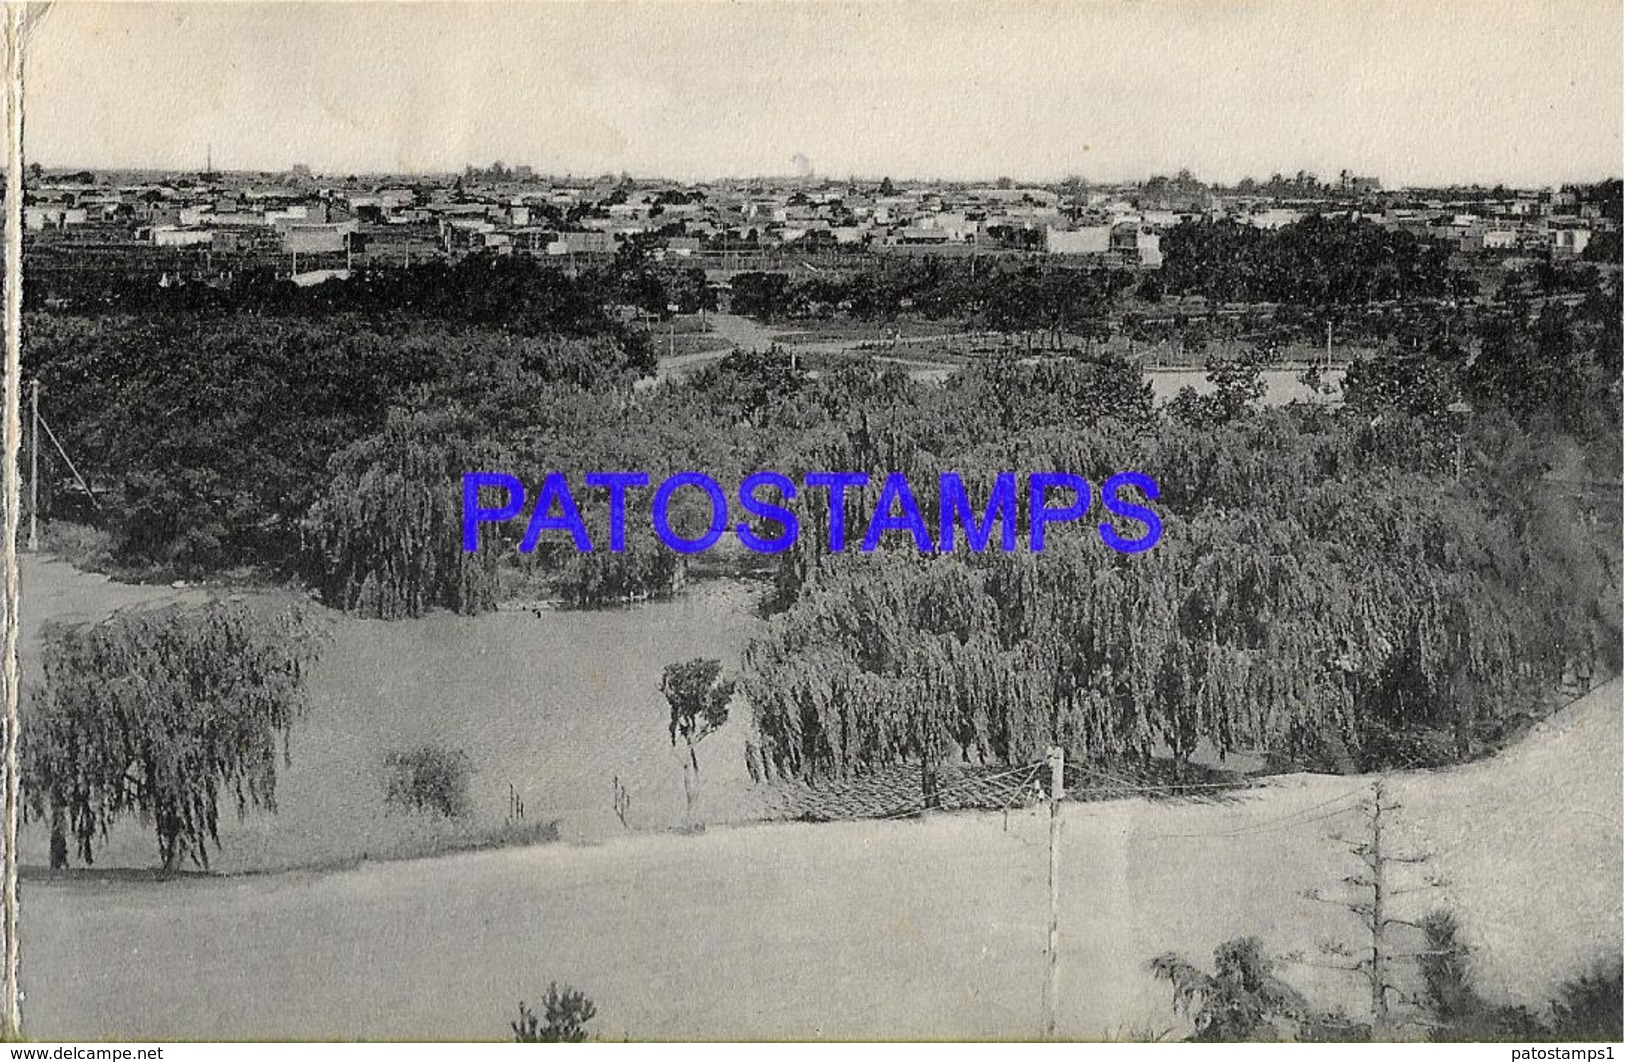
(1374,859)
(1052,979)
(33,468)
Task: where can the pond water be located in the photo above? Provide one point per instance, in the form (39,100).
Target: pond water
(1281,386)
(552,709)
(549,707)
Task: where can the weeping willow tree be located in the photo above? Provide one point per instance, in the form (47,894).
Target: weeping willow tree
(165,714)
(893,660)
(1327,589)
(1302,628)
(591,580)
(388,530)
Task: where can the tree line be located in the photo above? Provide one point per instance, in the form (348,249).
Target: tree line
(1000,293)
(1395,581)
(1322,260)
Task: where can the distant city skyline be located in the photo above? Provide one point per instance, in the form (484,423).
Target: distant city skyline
(1474,91)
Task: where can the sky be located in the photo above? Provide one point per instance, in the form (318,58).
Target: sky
(1525,92)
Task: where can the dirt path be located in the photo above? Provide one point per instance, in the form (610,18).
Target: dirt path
(1282,386)
(54,590)
(930,929)
(742,333)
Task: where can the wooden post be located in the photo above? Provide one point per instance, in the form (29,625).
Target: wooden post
(1057,776)
(33,468)
(1380,1025)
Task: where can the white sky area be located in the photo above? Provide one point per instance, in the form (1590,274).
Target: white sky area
(1422,91)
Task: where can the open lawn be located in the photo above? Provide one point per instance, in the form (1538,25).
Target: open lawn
(556,705)
(909,929)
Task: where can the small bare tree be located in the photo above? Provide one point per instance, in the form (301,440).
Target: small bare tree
(698,696)
(1369,895)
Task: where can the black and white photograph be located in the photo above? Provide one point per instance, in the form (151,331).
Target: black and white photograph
(811,521)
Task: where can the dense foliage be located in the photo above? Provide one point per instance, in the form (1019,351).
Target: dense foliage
(1245,999)
(388,528)
(1321,260)
(164,713)
(517,295)
(212,437)
(1397,580)
(1000,294)
(1338,589)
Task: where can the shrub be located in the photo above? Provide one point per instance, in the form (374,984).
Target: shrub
(1589,1008)
(429,778)
(87,548)
(591,580)
(565,1014)
(1241,1000)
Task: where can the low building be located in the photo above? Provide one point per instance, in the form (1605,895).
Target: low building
(315,238)
(914,236)
(40,218)
(1275,218)
(1090,240)
(170,236)
(1569,242)
(582,243)
(1137,244)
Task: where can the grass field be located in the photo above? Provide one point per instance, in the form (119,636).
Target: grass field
(930,928)
(556,705)
(910,929)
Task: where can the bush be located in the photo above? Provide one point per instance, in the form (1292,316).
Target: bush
(87,548)
(591,580)
(565,1014)
(429,778)
(1242,1000)
(1589,1008)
